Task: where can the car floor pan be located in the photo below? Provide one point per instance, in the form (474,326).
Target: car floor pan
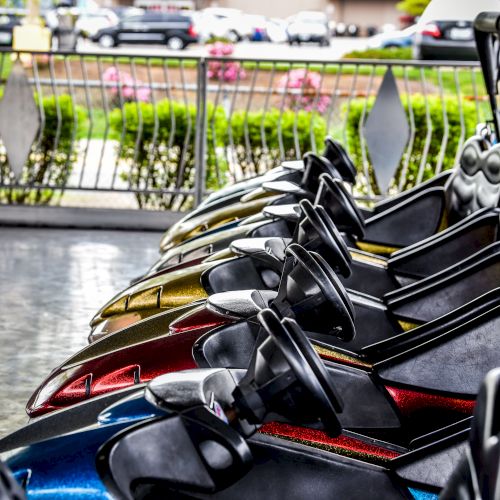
(454,362)
(446,248)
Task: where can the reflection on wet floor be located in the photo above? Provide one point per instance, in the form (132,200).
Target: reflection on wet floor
(52,281)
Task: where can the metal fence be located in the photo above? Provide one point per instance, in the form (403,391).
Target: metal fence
(159,132)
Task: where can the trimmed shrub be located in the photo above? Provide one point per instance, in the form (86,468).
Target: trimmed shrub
(161,155)
(279,130)
(52,157)
(419,112)
(165,159)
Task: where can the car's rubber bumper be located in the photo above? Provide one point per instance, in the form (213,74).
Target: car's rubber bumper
(432,48)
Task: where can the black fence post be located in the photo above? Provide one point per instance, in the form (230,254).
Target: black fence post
(200,132)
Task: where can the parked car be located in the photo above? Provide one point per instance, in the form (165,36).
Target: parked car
(90,22)
(230,23)
(174,30)
(309,26)
(396,38)
(208,26)
(445,29)
(277,30)
(7,23)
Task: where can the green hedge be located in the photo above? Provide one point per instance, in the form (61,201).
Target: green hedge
(401,53)
(160,154)
(165,159)
(52,158)
(419,112)
(162,159)
(276,127)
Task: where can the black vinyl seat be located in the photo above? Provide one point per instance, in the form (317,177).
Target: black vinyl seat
(473,185)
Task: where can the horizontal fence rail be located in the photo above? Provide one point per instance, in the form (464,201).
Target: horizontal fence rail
(164,131)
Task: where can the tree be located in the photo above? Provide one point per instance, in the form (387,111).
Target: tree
(413,7)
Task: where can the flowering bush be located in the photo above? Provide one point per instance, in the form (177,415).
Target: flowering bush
(131,90)
(223,71)
(303,88)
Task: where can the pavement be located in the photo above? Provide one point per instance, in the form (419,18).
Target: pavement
(252,50)
(52,282)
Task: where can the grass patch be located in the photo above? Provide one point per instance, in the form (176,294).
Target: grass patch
(401,53)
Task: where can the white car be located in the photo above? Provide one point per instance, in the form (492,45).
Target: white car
(277,30)
(90,22)
(309,26)
(394,38)
(228,23)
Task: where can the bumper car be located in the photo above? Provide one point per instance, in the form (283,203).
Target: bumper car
(217,216)
(308,290)
(452,310)
(255,263)
(391,288)
(426,211)
(289,171)
(373,274)
(175,286)
(278,429)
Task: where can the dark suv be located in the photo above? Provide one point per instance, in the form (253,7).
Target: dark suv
(445,40)
(445,31)
(174,30)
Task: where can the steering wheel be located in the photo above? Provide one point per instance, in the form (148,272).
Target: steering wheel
(306,366)
(338,254)
(338,304)
(340,160)
(315,167)
(339,204)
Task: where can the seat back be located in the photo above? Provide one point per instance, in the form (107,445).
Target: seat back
(475,184)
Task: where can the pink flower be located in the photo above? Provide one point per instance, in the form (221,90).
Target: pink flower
(225,71)
(143,94)
(130,89)
(219,49)
(304,87)
(127,92)
(111,74)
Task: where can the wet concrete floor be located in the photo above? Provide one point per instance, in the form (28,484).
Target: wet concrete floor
(52,281)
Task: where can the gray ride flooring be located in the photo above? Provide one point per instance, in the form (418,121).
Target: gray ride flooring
(52,281)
